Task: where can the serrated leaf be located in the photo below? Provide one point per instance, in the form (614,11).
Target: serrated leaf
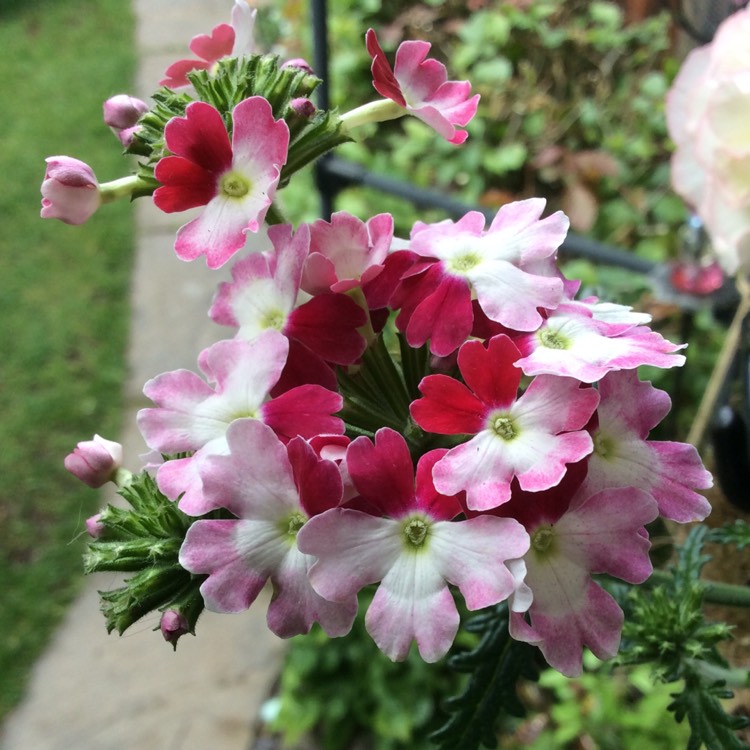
(710,725)
(496,665)
(737,534)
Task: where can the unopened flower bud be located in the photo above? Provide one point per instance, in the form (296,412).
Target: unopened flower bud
(300,63)
(301,111)
(302,107)
(173,626)
(94,526)
(70,191)
(123,111)
(95,462)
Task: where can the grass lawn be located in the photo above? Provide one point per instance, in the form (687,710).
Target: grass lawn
(63,306)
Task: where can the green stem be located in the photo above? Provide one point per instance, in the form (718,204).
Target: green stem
(122,188)
(733,676)
(379,111)
(729,594)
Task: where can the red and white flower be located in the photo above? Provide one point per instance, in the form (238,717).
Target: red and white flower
(235,182)
(225,40)
(421,86)
(581,341)
(509,267)
(413,548)
(346,252)
(265,293)
(531,438)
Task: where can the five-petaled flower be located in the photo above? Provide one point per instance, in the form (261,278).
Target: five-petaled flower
(236,182)
(414,548)
(532,437)
(273,490)
(509,268)
(225,40)
(421,86)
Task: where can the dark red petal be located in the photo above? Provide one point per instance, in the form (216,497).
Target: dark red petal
(448,407)
(184,185)
(489,372)
(200,137)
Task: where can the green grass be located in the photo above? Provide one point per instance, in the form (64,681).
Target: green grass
(63,306)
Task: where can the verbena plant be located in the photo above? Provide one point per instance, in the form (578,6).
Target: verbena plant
(410,429)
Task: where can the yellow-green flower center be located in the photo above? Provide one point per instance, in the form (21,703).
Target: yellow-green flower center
(504,427)
(234,185)
(543,540)
(604,446)
(464,262)
(273,319)
(415,531)
(293,523)
(553,339)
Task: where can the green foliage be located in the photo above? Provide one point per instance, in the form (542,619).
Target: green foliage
(737,534)
(666,628)
(495,665)
(64,306)
(610,709)
(572,108)
(234,80)
(340,689)
(145,539)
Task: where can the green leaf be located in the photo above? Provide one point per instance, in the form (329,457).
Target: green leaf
(737,534)
(710,725)
(495,666)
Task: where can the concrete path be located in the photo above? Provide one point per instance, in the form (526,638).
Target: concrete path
(91,691)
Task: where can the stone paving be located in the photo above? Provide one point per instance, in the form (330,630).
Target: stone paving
(93,691)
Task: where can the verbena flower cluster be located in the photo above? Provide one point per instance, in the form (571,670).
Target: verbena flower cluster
(434,416)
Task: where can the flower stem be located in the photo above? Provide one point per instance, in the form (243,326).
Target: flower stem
(125,187)
(733,677)
(378,111)
(729,594)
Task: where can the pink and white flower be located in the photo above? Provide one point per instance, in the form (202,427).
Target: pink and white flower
(623,456)
(265,293)
(580,341)
(421,86)
(346,252)
(70,191)
(509,267)
(236,182)
(531,438)
(707,111)
(570,541)
(273,490)
(225,40)
(193,415)
(414,550)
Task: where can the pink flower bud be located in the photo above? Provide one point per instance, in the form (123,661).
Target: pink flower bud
(70,191)
(95,462)
(123,111)
(173,626)
(302,107)
(94,526)
(298,62)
